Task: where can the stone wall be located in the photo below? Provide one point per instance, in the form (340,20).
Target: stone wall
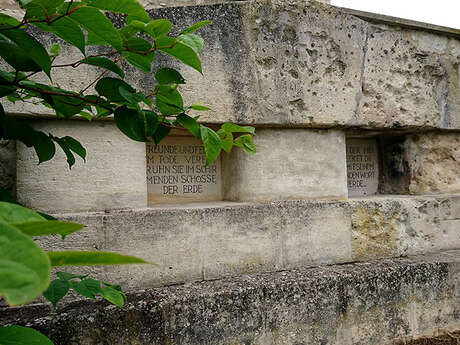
(309,77)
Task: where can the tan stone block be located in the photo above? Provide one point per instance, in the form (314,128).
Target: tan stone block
(376,230)
(172,239)
(113,176)
(307,61)
(241,241)
(404,79)
(289,164)
(434,163)
(320,234)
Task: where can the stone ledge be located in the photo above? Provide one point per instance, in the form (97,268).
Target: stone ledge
(205,242)
(362,303)
(318,67)
(402,22)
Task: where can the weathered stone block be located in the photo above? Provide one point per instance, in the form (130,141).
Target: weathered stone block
(394,226)
(403,79)
(434,163)
(305,64)
(376,229)
(229,239)
(307,61)
(320,233)
(113,176)
(374,304)
(289,164)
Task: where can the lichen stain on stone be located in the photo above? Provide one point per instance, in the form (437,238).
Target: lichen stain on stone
(375,233)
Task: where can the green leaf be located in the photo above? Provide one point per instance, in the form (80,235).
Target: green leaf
(227,144)
(17,58)
(66,106)
(132,98)
(93,40)
(131,123)
(143,62)
(130,7)
(158,28)
(193,41)
(109,88)
(185,54)
(40,8)
(190,124)
(8,77)
(69,155)
(199,107)
(115,286)
(161,133)
(14,213)
(7,197)
(32,47)
(69,276)
(6,21)
(167,76)
(245,142)
(18,335)
(113,296)
(169,101)
(139,45)
(56,291)
(11,128)
(165,42)
(86,115)
(87,287)
(197,26)
(232,128)
(55,49)
(48,227)
(227,140)
(82,258)
(106,63)
(98,24)
(151,121)
(212,144)
(66,29)
(24,267)
(75,146)
(69,144)
(6,90)
(44,147)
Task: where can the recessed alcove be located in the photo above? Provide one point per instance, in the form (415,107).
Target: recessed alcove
(377,163)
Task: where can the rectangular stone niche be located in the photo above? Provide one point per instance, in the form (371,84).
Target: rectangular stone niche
(362,167)
(177,173)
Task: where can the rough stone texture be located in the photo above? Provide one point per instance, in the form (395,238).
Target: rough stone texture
(114,175)
(434,163)
(196,242)
(8,165)
(289,164)
(307,64)
(369,303)
(406,79)
(424,163)
(307,61)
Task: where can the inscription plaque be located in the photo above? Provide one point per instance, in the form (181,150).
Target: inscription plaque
(362,167)
(177,172)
